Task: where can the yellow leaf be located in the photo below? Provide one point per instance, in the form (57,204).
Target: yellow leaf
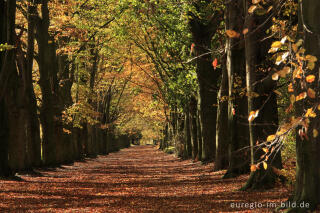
(311,93)
(292,99)
(311,58)
(311,65)
(299,43)
(255,1)
(265,165)
(252,8)
(276,44)
(232,34)
(266,150)
(310,113)
(278,60)
(281,131)
(275,76)
(271,138)
(315,133)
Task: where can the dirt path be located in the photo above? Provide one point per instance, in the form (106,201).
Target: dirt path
(137,179)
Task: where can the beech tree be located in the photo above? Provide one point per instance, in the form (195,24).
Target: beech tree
(83,78)
(307,140)
(203,29)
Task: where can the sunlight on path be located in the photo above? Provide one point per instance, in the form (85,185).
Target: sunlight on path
(137,179)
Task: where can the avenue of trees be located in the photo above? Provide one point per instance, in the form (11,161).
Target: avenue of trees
(225,81)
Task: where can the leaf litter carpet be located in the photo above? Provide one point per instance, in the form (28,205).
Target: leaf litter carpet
(136,179)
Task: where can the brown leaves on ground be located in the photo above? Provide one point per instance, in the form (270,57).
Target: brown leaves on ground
(137,179)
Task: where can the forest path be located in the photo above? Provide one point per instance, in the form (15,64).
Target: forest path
(137,179)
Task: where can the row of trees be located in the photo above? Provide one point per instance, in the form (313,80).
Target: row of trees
(233,107)
(56,107)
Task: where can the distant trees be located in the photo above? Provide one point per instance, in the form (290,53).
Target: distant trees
(41,121)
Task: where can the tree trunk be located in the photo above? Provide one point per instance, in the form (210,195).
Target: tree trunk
(265,101)
(207,79)
(222,129)
(307,187)
(193,128)
(14,96)
(200,138)
(4,126)
(187,134)
(34,145)
(237,102)
(50,115)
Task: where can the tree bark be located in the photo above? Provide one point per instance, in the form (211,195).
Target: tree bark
(307,187)
(193,127)
(237,102)
(50,115)
(259,83)
(187,134)
(34,147)
(4,128)
(222,129)
(207,79)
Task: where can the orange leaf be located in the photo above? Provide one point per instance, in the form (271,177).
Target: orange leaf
(290,88)
(215,63)
(311,93)
(252,8)
(253,168)
(301,96)
(232,34)
(253,115)
(310,78)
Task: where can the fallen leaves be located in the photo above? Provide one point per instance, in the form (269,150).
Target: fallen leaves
(138,179)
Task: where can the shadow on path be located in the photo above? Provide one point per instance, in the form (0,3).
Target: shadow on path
(137,179)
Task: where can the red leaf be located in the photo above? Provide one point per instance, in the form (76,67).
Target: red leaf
(192,48)
(215,63)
